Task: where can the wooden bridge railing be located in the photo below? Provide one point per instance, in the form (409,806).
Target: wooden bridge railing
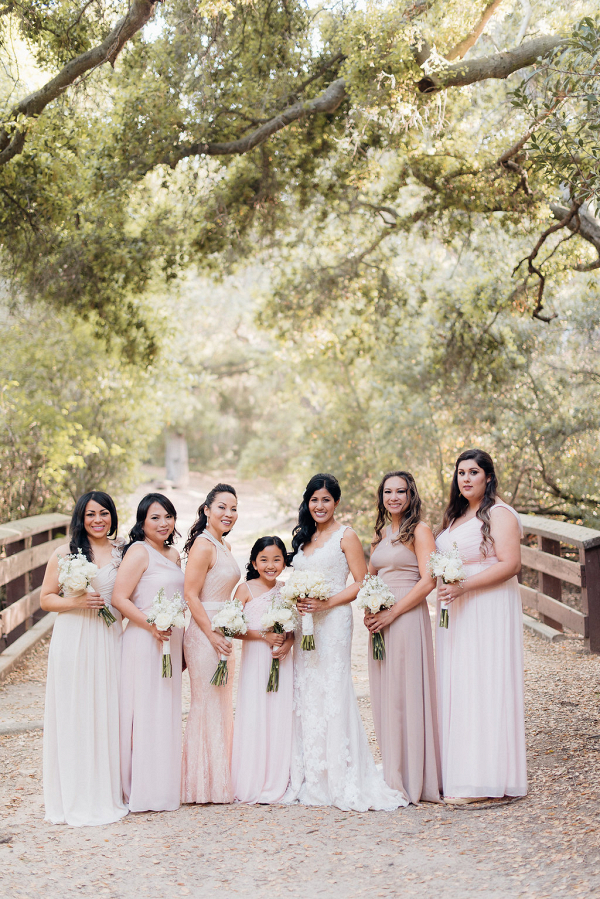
(547,559)
(25,547)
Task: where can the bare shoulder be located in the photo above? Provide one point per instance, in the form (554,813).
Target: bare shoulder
(242,593)
(350,537)
(201,548)
(423,530)
(61,551)
(505,518)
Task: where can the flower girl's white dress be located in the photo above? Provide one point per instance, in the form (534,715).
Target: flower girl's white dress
(331,760)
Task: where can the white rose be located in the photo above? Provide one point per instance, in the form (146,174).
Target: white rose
(179,620)
(77,582)
(163,621)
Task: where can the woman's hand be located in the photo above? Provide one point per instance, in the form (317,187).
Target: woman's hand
(280,652)
(86,601)
(310,604)
(274,640)
(450,592)
(161,636)
(375,623)
(220,644)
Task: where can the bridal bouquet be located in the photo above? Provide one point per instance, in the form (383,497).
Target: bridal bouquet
(165,614)
(375,596)
(229,621)
(280,618)
(75,576)
(449,567)
(301,585)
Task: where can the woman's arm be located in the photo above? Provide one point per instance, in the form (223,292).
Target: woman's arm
(505,530)
(424,545)
(50,598)
(201,559)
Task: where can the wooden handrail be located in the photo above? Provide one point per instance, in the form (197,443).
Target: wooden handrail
(553,569)
(28,527)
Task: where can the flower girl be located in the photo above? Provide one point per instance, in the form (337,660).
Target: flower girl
(262,735)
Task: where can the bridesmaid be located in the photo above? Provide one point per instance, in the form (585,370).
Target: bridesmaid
(211,574)
(150,703)
(480,654)
(82,778)
(262,735)
(403,683)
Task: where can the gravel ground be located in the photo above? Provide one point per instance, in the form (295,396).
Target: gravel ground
(546,845)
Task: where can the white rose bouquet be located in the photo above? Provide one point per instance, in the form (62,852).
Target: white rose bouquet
(301,585)
(374,596)
(280,618)
(165,614)
(75,576)
(229,621)
(449,567)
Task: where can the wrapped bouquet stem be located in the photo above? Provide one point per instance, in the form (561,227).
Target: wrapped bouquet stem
(279,618)
(305,585)
(75,576)
(375,596)
(229,621)
(166,614)
(449,567)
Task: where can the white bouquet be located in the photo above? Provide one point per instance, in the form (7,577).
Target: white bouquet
(229,621)
(75,576)
(449,567)
(374,596)
(165,614)
(301,585)
(280,618)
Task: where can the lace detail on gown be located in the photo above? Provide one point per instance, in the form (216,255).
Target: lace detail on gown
(331,760)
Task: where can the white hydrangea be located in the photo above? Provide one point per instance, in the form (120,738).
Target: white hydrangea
(448,566)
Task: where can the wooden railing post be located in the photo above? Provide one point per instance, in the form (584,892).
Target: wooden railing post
(548,584)
(590,593)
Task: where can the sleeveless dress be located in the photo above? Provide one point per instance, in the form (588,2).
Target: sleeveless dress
(206,773)
(262,733)
(403,697)
(331,760)
(82,777)
(480,679)
(151,703)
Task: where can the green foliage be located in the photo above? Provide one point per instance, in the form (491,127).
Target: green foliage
(73,417)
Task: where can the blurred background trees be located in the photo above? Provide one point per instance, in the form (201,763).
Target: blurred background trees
(272,230)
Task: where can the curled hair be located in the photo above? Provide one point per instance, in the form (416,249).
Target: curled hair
(306,526)
(411,515)
(200,524)
(137,533)
(262,543)
(457,504)
(79,536)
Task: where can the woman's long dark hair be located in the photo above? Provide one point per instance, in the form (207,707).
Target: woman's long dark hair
(79,536)
(136,534)
(201,522)
(457,504)
(262,543)
(410,517)
(306,526)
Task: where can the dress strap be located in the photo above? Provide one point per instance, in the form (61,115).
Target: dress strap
(212,539)
(252,596)
(500,504)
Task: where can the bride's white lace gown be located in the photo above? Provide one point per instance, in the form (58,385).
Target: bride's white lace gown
(331,760)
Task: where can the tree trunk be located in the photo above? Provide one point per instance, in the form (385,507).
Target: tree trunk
(176,459)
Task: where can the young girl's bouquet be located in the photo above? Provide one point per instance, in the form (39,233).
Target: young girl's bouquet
(301,585)
(229,621)
(375,596)
(280,618)
(449,567)
(165,614)
(75,576)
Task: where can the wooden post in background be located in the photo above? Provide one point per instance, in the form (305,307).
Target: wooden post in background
(590,593)
(548,584)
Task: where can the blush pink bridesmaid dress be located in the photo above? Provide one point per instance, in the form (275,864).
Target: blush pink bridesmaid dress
(403,696)
(262,733)
(151,703)
(206,772)
(479,661)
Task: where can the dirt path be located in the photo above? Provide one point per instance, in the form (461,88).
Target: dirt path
(546,845)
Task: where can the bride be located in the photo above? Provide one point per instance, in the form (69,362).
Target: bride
(331,760)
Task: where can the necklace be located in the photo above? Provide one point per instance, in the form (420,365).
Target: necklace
(316,535)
